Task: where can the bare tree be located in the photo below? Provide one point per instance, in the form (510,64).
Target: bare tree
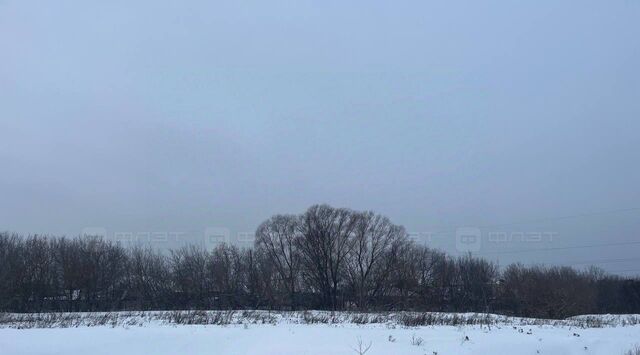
(148,275)
(12,270)
(327,258)
(326,239)
(277,237)
(226,272)
(474,283)
(370,260)
(189,270)
(39,283)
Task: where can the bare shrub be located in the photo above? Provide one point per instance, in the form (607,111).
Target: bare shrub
(417,341)
(362,348)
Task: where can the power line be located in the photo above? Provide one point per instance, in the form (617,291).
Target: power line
(591,262)
(589,214)
(548,219)
(606,261)
(565,217)
(558,248)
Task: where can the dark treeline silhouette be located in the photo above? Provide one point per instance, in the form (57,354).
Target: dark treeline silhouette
(326,258)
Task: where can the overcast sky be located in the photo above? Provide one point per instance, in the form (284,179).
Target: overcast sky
(173,117)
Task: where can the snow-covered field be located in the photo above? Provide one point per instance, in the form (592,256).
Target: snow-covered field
(285,335)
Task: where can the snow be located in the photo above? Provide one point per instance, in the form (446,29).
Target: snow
(285,337)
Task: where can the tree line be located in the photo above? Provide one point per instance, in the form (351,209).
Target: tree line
(325,258)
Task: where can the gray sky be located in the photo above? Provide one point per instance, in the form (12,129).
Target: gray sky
(152,116)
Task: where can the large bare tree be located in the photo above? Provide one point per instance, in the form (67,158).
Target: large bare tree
(375,244)
(277,238)
(326,239)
